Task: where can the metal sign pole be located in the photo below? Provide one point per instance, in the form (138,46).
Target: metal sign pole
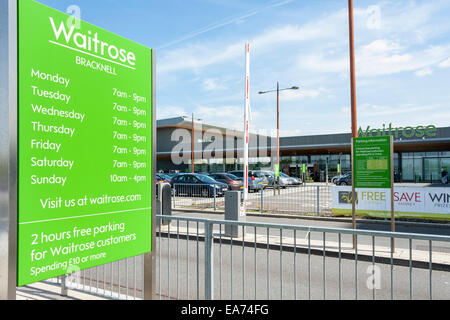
(354,196)
(8,149)
(150,258)
(353,101)
(392,191)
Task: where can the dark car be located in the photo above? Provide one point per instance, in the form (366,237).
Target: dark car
(345,180)
(336,178)
(162,177)
(192,184)
(233,182)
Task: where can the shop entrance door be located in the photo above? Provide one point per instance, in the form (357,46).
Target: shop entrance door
(431,169)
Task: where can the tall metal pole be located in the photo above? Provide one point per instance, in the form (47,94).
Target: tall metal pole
(192,145)
(246,118)
(352,70)
(278,136)
(353,102)
(150,258)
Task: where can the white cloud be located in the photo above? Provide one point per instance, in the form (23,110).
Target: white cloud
(170,112)
(302,94)
(445,63)
(380,57)
(211,84)
(424,72)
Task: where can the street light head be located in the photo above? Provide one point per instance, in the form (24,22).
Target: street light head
(295,88)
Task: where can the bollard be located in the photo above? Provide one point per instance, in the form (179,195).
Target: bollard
(232,212)
(164,201)
(63,286)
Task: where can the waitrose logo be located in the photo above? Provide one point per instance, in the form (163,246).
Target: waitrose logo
(90,44)
(399,132)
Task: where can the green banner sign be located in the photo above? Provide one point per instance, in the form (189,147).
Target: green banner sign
(372,162)
(276,168)
(85,152)
(304,168)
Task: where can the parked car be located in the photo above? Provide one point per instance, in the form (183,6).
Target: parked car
(345,180)
(259,174)
(254,183)
(193,184)
(336,178)
(162,177)
(293,181)
(233,182)
(271,177)
(173,174)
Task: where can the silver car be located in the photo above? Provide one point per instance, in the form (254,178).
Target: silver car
(254,184)
(284,183)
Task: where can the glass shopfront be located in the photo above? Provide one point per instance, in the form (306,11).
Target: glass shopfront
(317,165)
(424,166)
(408,166)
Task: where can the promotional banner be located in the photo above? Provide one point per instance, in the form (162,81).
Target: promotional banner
(409,202)
(85,152)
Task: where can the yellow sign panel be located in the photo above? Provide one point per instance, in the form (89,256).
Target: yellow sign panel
(377,164)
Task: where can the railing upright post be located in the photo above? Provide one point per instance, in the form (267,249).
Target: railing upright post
(262,201)
(209,258)
(214,199)
(318,200)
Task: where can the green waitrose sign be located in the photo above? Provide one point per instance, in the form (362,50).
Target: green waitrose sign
(372,162)
(85,145)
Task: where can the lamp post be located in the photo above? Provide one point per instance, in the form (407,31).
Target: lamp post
(278,124)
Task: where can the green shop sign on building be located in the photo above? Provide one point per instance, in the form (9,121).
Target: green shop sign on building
(85,152)
(399,132)
(372,162)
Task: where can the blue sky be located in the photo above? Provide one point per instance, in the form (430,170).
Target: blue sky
(402,52)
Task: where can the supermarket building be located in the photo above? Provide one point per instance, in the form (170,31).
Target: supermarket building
(419,152)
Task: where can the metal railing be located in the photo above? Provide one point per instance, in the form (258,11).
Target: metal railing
(121,280)
(304,199)
(197,260)
(201,196)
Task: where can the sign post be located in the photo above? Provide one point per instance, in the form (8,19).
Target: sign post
(8,149)
(86,147)
(373,168)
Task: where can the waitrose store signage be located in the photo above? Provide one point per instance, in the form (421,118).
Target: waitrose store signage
(427,131)
(85,153)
